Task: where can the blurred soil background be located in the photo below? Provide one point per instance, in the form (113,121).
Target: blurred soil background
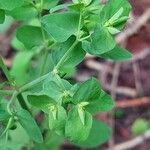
(128,82)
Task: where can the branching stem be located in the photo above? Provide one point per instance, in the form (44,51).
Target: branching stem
(33,83)
(24,88)
(38,80)
(62,60)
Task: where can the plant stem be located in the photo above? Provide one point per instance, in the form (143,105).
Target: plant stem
(6,92)
(79,26)
(7,127)
(84,38)
(22,102)
(31,84)
(60,63)
(47,51)
(6,72)
(45,42)
(11,101)
(73,45)
(41,4)
(62,60)
(44,63)
(6,140)
(24,88)
(40,16)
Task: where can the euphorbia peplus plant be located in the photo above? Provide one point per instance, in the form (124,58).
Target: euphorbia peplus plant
(51,40)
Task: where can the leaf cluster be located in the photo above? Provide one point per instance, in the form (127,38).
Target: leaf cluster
(52,39)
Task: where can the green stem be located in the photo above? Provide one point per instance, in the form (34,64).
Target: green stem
(7,127)
(41,4)
(24,88)
(60,81)
(31,84)
(38,80)
(79,26)
(22,102)
(47,51)
(45,42)
(6,140)
(44,63)
(84,38)
(40,16)
(6,71)
(6,92)
(62,60)
(11,101)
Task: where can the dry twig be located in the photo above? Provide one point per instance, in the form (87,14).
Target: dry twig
(133,143)
(93,64)
(133,102)
(137,73)
(123,90)
(113,86)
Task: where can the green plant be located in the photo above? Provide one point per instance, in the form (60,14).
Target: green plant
(52,39)
(139,126)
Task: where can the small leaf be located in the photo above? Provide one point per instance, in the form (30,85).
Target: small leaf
(57,123)
(103,104)
(61,31)
(81,111)
(18,137)
(40,101)
(2,16)
(4,115)
(75,131)
(88,91)
(25,12)
(76,7)
(57,85)
(48,4)
(118,23)
(53,110)
(116,9)
(139,126)
(30,36)
(59,7)
(20,66)
(17,45)
(85,2)
(10,4)
(30,126)
(112,30)
(75,1)
(116,15)
(101,42)
(117,54)
(53,86)
(99,134)
(81,115)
